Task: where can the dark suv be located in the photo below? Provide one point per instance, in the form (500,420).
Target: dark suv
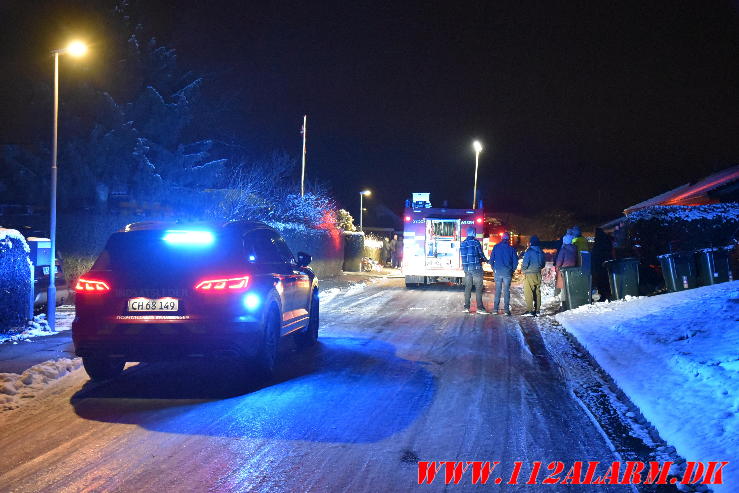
(162,291)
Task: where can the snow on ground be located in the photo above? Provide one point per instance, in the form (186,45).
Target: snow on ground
(677,358)
(14,388)
(39,327)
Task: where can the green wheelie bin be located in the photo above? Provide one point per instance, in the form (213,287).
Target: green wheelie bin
(679,271)
(623,277)
(577,286)
(353,251)
(713,266)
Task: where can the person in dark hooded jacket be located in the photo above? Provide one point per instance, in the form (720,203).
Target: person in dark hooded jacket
(602,252)
(504,261)
(533,262)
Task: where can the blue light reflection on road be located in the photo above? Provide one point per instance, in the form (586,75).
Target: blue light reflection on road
(347,390)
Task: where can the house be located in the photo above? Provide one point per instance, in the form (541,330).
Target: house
(714,189)
(720,187)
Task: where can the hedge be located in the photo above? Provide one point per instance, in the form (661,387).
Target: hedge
(665,229)
(15,280)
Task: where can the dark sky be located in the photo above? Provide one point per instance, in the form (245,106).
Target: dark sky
(586,105)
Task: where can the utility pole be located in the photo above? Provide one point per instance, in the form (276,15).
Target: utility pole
(304,131)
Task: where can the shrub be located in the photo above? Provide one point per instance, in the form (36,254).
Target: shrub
(15,280)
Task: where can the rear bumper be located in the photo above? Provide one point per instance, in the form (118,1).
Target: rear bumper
(155,340)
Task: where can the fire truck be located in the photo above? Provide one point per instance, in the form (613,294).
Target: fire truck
(431,240)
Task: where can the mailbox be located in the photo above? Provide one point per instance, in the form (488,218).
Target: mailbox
(40,250)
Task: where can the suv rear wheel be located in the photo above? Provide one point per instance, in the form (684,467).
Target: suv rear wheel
(103,368)
(266,361)
(309,336)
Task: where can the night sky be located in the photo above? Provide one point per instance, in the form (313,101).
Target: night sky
(590,106)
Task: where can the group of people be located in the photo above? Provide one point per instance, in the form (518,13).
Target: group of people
(391,252)
(569,256)
(504,262)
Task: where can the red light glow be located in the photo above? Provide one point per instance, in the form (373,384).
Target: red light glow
(407,218)
(91,286)
(479,220)
(228,284)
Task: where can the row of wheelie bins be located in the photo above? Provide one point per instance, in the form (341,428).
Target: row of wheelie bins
(687,270)
(623,278)
(681,270)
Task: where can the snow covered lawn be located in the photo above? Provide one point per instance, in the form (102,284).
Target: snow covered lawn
(39,327)
(677,358)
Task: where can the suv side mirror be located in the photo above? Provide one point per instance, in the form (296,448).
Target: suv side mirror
(304,259)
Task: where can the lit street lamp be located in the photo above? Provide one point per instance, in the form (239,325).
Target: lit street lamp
(361,207)
(478,148)
(75,49)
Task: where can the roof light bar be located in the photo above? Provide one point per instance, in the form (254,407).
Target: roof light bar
(188,237)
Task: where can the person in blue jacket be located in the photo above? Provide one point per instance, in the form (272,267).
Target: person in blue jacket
(533,262)
(504,261)
(472,257)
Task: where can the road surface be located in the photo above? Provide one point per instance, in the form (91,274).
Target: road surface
(399,376)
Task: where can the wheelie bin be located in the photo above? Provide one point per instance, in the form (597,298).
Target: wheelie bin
(679,271)
(623,277)
(577,286)
(713,266)
(353,251)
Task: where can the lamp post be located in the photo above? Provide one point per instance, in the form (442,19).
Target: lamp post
(478,148)
(361,207)
(75,49)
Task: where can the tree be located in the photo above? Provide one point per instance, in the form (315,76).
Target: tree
(131,136)
(345,221)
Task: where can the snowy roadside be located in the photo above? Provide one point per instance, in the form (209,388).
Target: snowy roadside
(351,284)
(39,327)
(676,356)
(15,388)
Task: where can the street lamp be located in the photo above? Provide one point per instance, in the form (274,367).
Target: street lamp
(478,148)
(75,49)
(361,207)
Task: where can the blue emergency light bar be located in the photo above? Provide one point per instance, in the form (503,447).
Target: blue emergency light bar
(188,237)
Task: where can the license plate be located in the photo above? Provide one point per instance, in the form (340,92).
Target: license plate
(153,305)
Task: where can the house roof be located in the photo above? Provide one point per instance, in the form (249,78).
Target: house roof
(691,194)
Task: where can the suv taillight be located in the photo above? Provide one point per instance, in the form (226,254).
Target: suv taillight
(91,286)
(221,285)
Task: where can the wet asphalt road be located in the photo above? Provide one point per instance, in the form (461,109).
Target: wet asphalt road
(399,376)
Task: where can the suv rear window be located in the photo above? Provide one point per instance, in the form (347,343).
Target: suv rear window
(148,252)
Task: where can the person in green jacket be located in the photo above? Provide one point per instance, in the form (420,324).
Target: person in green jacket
(533,262)
(579,240)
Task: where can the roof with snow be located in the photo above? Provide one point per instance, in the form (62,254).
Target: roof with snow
(718,187)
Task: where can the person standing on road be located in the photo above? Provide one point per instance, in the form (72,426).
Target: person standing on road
(394,261)
(385,252)
(472,258)
(533,262)
(504,261)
